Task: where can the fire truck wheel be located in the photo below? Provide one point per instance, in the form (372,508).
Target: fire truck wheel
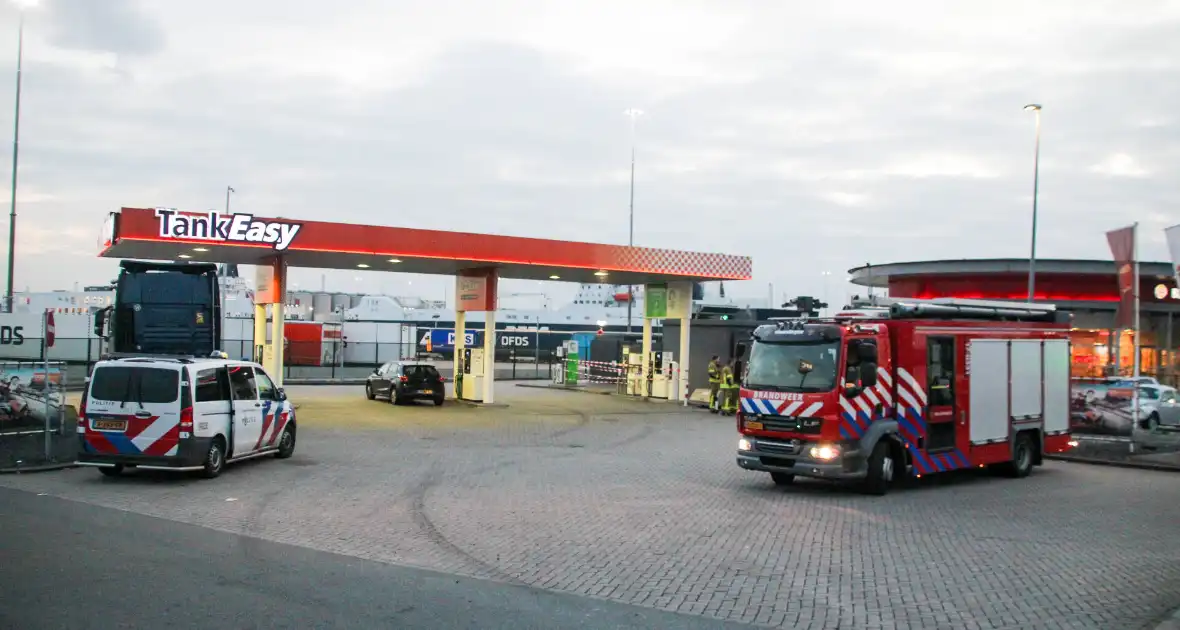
(782,479)
(1022,457)
(111,471)
(881,467)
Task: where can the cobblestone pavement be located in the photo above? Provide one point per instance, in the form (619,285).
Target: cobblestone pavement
(642,503)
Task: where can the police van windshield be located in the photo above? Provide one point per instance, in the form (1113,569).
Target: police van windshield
(792,367)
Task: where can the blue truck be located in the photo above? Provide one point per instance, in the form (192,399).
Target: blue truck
(162,309)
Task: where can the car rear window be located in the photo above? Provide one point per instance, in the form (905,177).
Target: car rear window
(123,383)
(421,371)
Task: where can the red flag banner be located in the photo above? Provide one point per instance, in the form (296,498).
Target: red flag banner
(1122,245)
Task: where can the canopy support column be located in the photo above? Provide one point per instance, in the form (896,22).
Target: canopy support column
(475,290)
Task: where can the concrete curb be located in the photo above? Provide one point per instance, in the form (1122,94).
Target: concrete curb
(1171,621)
(39,468)
(477,405)
(349,381)
(579,390)
(1117,464)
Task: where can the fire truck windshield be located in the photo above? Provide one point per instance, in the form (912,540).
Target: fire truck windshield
(800,366)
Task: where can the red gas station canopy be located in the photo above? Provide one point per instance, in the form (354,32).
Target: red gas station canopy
(168,234)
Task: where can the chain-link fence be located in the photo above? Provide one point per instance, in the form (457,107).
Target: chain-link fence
(37,423)
(350,360)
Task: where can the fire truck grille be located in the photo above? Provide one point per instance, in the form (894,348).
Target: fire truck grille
(791,425)
(778,448)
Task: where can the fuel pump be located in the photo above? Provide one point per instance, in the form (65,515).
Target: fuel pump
(460,369)
(473,374)
(660,382)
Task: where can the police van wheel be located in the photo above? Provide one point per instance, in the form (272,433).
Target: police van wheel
(880,472)
(286,443)
(782,479)
(214,459)
(111,471)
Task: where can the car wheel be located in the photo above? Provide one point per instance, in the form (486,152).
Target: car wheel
(1153,421)
(881,469)
(214,459)
(111,471)
(438,401)
(286,443)
(782,479)
(369,391)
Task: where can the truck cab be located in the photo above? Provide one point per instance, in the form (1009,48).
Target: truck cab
(815,402)
(162,309)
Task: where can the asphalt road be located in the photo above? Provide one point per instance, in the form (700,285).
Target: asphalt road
(73,565)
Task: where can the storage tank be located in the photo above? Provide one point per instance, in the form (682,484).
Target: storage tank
(300,298)
(322,303)
(340,302)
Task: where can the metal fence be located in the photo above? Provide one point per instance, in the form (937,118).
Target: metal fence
(37,425)
(358,359)
(302,360)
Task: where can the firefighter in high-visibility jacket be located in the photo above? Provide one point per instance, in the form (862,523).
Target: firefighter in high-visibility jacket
(714,383)
(729,390)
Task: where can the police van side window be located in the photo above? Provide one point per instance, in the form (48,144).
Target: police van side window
(241,379)
(266,387)
(212,386)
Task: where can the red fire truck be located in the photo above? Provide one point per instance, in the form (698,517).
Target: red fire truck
(906,387)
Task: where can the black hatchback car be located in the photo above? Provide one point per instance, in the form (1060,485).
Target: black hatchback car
(406,381)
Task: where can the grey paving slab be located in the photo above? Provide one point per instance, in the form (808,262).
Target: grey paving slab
(641,504)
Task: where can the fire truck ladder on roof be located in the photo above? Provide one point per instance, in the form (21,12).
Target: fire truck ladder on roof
(992,310)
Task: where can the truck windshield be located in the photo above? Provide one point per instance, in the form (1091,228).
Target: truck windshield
(776,366)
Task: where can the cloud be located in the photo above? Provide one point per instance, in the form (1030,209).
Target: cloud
(1120,165)
(114,26)
(811,137)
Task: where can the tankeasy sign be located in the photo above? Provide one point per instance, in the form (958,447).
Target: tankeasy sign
(227,228)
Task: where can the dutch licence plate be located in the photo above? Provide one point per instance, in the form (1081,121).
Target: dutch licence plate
(427,391)
(753,426)
(110,425)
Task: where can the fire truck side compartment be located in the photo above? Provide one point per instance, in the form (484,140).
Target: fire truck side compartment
(1025,367)
(989,390)
(1056,386)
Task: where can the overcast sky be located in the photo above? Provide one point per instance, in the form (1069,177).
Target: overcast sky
(813,138)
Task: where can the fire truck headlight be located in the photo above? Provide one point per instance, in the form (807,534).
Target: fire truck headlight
(745,445)
(825,452)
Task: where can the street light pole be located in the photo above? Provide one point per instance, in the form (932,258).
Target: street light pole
(827,276)
(228,190)
(1032,257)
(634,115)
(20,45)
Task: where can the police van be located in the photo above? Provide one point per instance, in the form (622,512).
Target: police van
(181,414)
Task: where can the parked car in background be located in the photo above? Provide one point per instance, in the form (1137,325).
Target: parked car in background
(406,381)
(1159,405)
